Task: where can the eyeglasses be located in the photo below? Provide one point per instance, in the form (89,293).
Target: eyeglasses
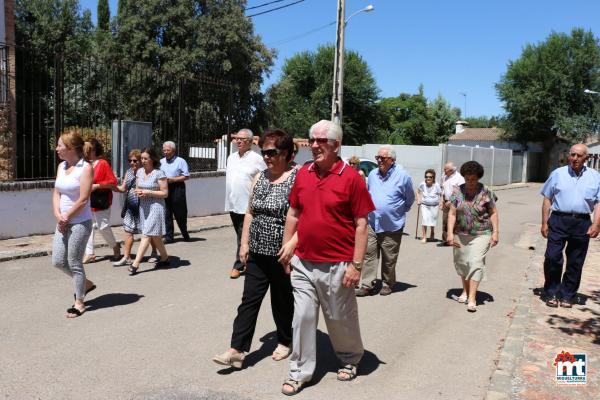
(241,138)
(270,153)
(134,160)
(428,177)
(381,158)
(319,140)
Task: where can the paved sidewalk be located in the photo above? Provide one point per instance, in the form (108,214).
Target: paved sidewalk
(539,333)
(41,245)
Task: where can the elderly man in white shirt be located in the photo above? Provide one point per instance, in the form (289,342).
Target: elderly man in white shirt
(242,167)
(450,179)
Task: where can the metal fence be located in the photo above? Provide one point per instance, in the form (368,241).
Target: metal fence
(497,163)
(61,91)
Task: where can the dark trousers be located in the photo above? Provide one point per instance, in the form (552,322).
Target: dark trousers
(176,204)
(572,232)
(238,224)
(262,272)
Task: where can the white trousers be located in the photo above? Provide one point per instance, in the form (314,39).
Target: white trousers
(314,285)
(101,221)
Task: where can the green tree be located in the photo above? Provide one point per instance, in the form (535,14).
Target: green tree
(303,95)
(543,90)
(103,15)
(190,38)
(443,119)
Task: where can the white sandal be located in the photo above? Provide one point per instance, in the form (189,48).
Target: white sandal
(281,352)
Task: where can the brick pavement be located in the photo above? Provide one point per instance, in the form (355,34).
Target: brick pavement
(538,333)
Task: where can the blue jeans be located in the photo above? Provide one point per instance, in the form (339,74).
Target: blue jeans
(572,232)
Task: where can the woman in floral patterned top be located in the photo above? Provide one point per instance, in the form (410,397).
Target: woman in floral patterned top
(473,218)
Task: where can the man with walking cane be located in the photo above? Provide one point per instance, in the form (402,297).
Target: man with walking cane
(392,192)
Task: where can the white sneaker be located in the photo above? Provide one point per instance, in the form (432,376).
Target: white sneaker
(123,261)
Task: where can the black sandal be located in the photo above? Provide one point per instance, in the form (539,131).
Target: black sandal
(349,370)
(75,311)
(132,270)
(295,385)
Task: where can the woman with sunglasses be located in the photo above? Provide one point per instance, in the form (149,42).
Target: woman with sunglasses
(131,223)
(354,162)
(429,198)
(151,189)
(261,251)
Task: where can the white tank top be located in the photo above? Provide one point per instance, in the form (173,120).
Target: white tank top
(69,187)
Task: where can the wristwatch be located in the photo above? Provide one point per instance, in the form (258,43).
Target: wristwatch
(358,265)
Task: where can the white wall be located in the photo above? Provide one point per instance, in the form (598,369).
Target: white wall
(414,159)
(29,212)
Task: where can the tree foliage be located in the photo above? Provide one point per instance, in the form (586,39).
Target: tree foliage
(303,95)
(543,90)
(411,119)
(191,38)
(103,15)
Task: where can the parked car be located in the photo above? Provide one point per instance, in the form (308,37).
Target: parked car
(365,164)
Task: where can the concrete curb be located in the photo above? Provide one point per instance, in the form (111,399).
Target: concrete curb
(500,387)
(42,253)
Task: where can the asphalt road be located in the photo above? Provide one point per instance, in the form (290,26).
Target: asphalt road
(152,336)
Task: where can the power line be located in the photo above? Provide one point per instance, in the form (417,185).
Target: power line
(301,35)
(274,9)
(264,4)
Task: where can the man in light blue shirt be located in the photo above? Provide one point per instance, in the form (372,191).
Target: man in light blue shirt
(392,192)
(572,193)
(177,171)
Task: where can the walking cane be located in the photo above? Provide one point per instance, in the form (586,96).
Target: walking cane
(417,224)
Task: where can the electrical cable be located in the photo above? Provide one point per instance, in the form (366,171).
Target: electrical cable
(264,4)
(301,35)
(274,9)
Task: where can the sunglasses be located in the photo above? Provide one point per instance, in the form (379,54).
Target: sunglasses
(429,177)
(270,153)
(380,158)
(319,140)
(134,160)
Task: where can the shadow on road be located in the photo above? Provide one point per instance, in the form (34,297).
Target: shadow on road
(326,358)
(111,300)
(398,287)
(588,325)
(175,262)
(481,297)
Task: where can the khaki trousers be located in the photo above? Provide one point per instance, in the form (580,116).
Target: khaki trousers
(445,212)
(386,244)
(314,285)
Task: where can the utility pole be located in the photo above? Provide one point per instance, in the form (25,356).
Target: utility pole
(338,65)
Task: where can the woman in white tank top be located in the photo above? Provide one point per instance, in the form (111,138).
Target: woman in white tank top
(71,207)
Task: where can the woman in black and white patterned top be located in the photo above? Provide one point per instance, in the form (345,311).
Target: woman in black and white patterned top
(261,250)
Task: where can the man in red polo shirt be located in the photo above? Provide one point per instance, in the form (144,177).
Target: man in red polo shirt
(329,204)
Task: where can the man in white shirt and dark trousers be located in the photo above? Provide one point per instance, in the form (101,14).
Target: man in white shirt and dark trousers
(242,167)
(450,179)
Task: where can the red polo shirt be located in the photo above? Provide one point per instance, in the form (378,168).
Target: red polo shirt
(327,209)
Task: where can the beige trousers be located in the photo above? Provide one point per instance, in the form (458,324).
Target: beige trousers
(314,285)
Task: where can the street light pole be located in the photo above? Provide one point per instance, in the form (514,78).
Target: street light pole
(465,96)
(337,100)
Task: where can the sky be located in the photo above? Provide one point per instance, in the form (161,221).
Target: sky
(449,46)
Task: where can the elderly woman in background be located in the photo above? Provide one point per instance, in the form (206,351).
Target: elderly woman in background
(101,199)
(131,222)
(429,198)
(354,162)
(472,230)
(262,238)
(152,189)
(71,206)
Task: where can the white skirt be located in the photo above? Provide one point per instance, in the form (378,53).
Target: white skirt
(429,215)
